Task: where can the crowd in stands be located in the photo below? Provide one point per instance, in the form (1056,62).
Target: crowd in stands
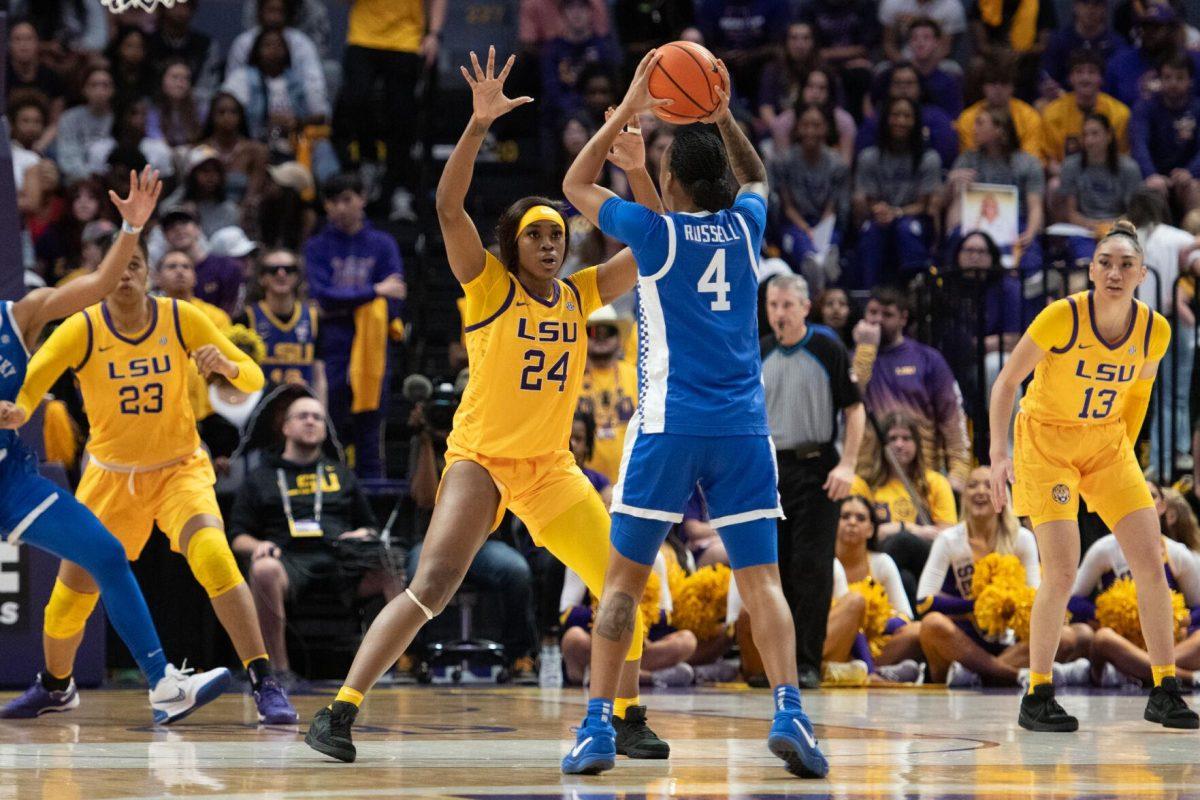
(939,171)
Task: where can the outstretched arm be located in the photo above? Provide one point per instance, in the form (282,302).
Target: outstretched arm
(464,249)
(579,184)
(748,168)
(42,306)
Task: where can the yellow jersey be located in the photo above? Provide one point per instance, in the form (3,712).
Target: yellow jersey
(135,388)
(892,503)
(387,24)
(527,357)
(1026,119)
(215,314)
(610,396)
(1084,380)
(1062,124)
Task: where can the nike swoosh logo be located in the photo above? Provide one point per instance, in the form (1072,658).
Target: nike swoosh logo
(520,304)
(579,747)
(804,732)
(181,696)
(105,349)
(1084,346)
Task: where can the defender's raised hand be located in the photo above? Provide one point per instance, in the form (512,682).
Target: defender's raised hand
(144,190)
(487,88)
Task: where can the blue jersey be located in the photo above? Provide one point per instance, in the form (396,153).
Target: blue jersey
(13,360)
(699,370)
(291,344)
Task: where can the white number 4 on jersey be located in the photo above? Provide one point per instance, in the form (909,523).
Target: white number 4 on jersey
(713,281)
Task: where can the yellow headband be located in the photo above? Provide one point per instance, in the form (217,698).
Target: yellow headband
(540,214)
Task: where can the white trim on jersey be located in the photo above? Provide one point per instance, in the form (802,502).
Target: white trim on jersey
(31,518)
(631,435)
(747,516)
(12,321)
(754,265)
(647,513)
(669,261)
(657,363)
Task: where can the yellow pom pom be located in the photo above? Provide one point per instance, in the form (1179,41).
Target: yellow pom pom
(700,602)
(1182,615)
(651,602)
(676,575)
(1024,607)
(996,568)
(878,612)
(1116,608)
(248,341)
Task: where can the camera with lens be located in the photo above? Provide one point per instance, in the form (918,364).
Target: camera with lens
(438,401)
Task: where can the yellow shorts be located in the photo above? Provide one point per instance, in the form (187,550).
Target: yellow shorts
(538,490)
(1056,464)
(129,506)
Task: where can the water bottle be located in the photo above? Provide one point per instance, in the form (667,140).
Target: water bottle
(550,674)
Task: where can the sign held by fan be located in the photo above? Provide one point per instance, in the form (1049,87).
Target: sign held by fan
(121,6)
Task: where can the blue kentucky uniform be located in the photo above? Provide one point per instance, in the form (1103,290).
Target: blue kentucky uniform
(701,414)
(36,511)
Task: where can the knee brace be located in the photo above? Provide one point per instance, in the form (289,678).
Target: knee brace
(68,611)
(212,562)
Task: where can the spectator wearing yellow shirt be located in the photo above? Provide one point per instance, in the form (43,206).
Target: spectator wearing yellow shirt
(999,76)
(609,391)
(388,42)
(908,521)
(1062,119)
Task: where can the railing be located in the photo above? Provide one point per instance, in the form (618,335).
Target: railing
(975,319)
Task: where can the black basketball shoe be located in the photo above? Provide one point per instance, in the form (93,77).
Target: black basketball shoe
(634,737)
(1041,712)
(330,731)
(1166,706)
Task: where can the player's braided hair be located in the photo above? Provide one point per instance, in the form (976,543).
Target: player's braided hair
(506,230)
(699,162)
(1125,228)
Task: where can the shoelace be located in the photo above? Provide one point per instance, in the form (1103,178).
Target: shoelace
(184,670)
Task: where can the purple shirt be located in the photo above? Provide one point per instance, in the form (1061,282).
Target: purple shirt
(343,269)
(219,280)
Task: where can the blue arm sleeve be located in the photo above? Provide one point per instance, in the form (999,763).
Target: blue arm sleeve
(637,226)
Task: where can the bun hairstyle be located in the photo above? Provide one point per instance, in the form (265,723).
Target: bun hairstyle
(1123,227)
(699,162)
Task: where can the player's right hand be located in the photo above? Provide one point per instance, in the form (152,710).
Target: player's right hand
(144,190)
(629,150)
(488,102)
(1002,476)
(638,98)
(12,416)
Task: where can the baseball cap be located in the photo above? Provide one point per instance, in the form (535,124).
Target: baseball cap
(231,241)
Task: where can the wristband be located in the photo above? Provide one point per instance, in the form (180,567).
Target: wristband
(127,228)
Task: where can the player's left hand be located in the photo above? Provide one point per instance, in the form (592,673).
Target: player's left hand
(638,97)
(12,416)
(210,361)
(722,109)
(837,484)
(629,150)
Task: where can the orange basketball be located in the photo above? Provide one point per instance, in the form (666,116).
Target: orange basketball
(687,74)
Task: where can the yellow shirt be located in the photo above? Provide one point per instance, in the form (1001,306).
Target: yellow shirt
(216,315)
(609,395)
(135,388)
(387,24)
(1025,117)
(892,503)
(1062,124)
(1084,380)
(527,357)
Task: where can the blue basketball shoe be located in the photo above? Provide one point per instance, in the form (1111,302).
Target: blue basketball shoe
(792,739)
(595,749)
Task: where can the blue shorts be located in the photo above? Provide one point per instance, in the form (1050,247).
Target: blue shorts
(24,495)
(660,471)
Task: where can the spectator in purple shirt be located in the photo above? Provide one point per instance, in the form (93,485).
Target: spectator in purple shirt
(901,374)
(941,79)
(219,280)
(1089,31)
(847,32)
(349,264)
(1134,75)
(745,34)
(1163,133)
(565,58)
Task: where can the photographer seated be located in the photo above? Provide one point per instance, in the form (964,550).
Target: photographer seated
(498,569)
(304,521)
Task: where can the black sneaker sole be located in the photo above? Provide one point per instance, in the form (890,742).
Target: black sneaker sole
(646,754)
(1189,723)
(346,754)
(1066,726)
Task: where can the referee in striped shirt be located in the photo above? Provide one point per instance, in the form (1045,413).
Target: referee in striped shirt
(809,383)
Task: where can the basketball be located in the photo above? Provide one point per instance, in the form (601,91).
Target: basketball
(687,74)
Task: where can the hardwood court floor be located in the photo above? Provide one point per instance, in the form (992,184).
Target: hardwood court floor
(429,742)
